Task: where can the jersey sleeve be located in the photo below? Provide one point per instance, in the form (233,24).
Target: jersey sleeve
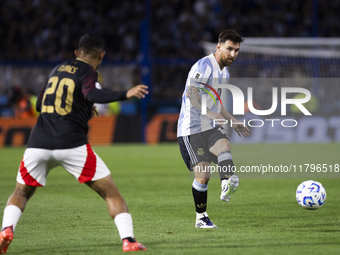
(40,98)
(89,82)
(104,96)
(200,73)
(94,93)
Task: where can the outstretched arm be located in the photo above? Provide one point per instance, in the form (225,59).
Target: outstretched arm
(195,100)
(237,126)
(138,91)
(104,96)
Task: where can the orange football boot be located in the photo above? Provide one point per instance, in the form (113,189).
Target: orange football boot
(6,237)
(132,246)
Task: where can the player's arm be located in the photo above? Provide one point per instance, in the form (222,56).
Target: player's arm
(103,96)
(40,98)
(237,126)
(195,99)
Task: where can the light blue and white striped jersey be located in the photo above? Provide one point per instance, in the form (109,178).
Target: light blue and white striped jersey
(207,71)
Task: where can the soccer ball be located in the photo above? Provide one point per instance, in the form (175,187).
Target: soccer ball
(311,195)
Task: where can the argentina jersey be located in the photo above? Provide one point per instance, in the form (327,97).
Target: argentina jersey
(205,74)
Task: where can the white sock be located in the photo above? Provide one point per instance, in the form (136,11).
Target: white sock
(223,183)
(201,215)
(11,217)
(123,223)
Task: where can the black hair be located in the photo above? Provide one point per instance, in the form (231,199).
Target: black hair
(230,34)
(91,43)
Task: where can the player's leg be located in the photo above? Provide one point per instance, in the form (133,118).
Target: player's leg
(118,210)
(32,173)
(85,165)
(12,213)
(200,194)
(221,149)
(193,157)
(106,188)
(200,186)
(16,204)
(229,181)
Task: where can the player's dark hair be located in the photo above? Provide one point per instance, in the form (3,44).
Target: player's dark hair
(230,34)
(91,44)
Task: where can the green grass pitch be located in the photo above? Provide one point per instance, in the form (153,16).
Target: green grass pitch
(262,217)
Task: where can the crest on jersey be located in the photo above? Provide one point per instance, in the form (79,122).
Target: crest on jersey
(197,75)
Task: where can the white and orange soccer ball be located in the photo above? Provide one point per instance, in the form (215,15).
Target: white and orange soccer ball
(311,195)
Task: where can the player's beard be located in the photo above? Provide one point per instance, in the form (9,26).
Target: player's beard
(225,62)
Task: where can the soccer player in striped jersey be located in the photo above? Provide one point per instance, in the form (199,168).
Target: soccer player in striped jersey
(60,138)
(201,141)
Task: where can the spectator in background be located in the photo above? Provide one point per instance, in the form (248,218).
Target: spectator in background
(41,30)
(46,31)
(37,30)
(20,102)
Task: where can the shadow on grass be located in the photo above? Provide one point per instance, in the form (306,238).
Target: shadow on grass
(274,245)
(92,249)
(153,247)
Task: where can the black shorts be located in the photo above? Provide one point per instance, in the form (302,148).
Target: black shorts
(195,148)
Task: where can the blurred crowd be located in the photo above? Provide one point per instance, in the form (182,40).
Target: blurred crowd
(48,31)
(179,26)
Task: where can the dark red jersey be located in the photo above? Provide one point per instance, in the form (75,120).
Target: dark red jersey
(64,108)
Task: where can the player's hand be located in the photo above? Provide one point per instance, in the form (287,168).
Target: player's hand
(94,112)
(215,116)
(138,91)
(241,130)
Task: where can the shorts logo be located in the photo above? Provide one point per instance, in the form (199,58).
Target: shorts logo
(200,152)
(222,130)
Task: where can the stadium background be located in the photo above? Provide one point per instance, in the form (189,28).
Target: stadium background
(155,43)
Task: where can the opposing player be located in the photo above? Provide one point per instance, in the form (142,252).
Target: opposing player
(60,138)
(201,139)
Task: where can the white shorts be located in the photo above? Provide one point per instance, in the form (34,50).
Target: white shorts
(82,162)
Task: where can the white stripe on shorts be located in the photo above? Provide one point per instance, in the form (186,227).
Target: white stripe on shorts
(191,152)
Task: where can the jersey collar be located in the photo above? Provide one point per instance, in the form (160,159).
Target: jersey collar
(83,60)
(215,64)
